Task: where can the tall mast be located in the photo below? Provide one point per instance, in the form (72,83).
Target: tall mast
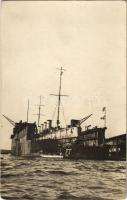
(59,96)
(39,112)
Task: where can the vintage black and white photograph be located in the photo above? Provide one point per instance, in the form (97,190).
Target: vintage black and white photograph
(63,100)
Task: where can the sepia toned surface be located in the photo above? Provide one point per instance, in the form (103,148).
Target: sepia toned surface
(85,38)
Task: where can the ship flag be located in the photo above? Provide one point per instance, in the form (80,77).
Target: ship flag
(104,116)
(104,109)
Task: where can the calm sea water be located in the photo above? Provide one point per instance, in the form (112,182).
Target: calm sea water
(53,179)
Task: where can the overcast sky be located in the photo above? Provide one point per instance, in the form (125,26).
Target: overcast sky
(85,38)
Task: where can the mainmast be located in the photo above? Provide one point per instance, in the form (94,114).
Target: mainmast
(59,96)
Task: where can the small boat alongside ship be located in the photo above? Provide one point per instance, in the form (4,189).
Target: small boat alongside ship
(70,142)
(51,156)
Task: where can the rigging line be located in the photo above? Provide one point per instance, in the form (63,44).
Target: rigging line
(63,114)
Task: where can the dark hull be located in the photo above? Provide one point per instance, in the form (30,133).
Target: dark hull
(117,156)
(92,153)
(89,144)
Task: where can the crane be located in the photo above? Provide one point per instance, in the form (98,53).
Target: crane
(84,119)
(11,121)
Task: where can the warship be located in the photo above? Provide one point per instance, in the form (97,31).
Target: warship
(70,142)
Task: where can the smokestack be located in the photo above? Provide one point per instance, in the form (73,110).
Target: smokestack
(42,127)
(49,123)
(39,127)
(45,125)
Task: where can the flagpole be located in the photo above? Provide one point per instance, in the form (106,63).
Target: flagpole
(28,111)
(105,118)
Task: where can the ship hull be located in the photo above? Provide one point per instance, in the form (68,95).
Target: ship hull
(89,144)
(92,153)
